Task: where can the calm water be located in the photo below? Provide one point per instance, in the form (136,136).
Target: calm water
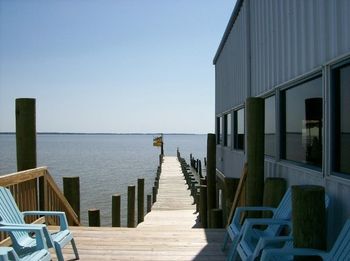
(106,164)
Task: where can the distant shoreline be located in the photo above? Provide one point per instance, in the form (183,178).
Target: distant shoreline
(102,133)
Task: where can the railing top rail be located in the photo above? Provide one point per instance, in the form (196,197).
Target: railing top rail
(22,176)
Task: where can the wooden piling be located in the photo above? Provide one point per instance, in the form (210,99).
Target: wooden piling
(203,210)
(131,207)
(25,134)
(211,172)
(229,191)
(216,218)
(94,217)
(116,210)
(309,218)
(274,190)
(255,153)
(71,190)
(140,200)
(154,194)
(149,203)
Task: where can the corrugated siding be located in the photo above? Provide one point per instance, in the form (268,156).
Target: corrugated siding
(231,67)
(230,162)
(290,38)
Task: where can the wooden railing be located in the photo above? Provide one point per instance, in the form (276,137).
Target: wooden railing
(35,189)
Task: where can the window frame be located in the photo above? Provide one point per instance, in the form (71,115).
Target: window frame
(334,109)
(235,129)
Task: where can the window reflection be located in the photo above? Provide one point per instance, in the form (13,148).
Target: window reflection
(227,129)
(270,127)
(342,119)
(239,129)
(219,130)
(303,123)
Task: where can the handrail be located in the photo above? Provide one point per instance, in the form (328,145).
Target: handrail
(24,186)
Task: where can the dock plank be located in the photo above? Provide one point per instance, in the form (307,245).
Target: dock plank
(169,231)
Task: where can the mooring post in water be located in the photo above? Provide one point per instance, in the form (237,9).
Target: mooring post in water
(71,191)
(255,152)
(149,203)
(131,206)
(116,210)
(140,200)
(94,217)
(211,172)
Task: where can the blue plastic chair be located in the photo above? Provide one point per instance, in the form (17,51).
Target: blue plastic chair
(38,252)
(253,241)
(235,231)
(340,250)
(10,215)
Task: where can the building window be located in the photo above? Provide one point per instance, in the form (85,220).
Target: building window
(302,122)
(219,130)
(239,129)
(227,130)
(341,119)
(270,126)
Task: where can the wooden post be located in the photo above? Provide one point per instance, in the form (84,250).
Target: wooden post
(25,134)
(26,141)
(149,203)
(203,210)
(229,191)
(211,172)
(71,190)
(94,217)
(162,147)
(255,152)
(116,210)
(131,206)
(154,192)
(309,218)
(140,200)
(200,169)
(274,190)
(216,218)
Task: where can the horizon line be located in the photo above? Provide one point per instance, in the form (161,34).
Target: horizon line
(107,133)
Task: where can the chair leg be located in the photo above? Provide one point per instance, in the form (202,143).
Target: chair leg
(225,242)
(58,252)
(232,254)
(75,249)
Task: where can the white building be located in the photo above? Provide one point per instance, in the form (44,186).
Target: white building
(296,55)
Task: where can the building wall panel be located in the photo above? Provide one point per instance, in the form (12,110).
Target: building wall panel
(231,67)
(291,38)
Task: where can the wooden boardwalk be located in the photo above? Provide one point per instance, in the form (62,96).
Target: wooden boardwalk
(168,233)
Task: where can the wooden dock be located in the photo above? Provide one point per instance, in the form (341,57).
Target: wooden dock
(169,231)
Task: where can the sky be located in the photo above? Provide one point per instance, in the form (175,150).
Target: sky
(119,66)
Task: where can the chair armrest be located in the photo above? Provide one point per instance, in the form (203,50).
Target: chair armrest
(39,233)
(237,216)
(60,214)
(269,253)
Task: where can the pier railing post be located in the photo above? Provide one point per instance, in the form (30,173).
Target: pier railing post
(154,194)
(255,152)
(94,217)
(274,190)
(216,218)
(149,203)
(211,172)
(140,200)
(71,190)
(131,206)
(116,210)
(203,206)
